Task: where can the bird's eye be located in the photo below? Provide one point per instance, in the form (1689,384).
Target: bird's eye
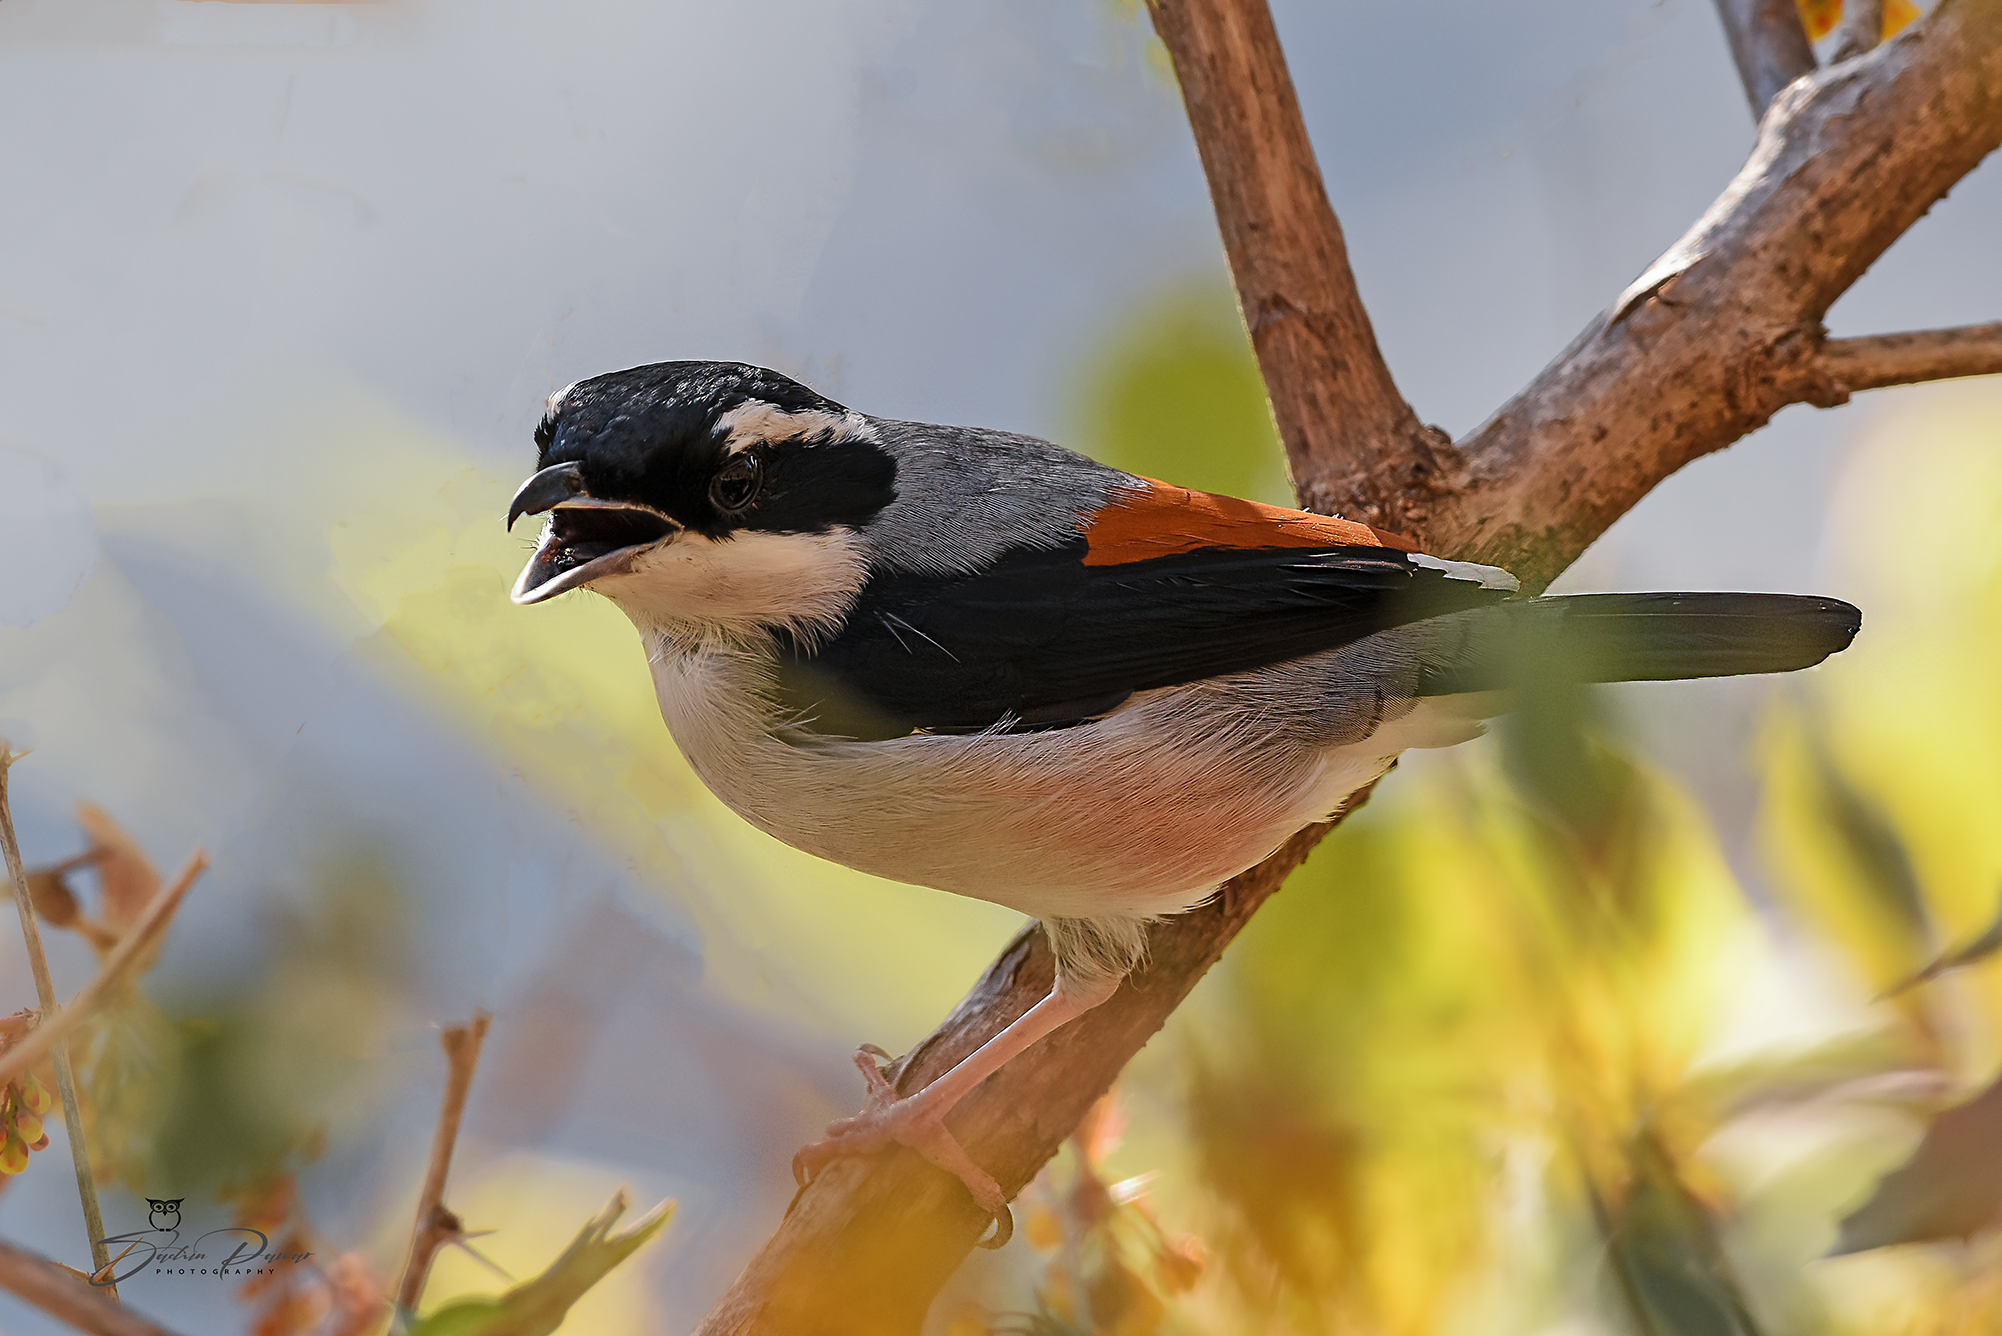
(737,483)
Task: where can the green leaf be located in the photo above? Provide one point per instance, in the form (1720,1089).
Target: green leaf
(1867,837)
(1982,947)
(1844,864)
(537,1307)
(1673,1276)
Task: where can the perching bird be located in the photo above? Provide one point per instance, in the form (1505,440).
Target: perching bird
(976,661)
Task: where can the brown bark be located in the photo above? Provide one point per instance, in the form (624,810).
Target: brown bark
(1769,46)
(1351,439)
(1907,359)
(1724,330)
(1862,28)
(1714,338)
(864,1249)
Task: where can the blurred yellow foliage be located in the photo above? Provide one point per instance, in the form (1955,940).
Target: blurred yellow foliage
(1460,1010)
(1515,1051)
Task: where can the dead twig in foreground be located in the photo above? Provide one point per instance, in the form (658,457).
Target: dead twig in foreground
(45,989)
(54,1288)
(117,968)
(437,1226)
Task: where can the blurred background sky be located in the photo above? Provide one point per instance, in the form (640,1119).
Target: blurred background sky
(282,292)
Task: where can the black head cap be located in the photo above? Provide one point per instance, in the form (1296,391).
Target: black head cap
(719,446)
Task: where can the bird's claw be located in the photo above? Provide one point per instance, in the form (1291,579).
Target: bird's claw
(887,1120)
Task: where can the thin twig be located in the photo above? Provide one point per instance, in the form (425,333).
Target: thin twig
(45,990)
(1725,328)
(1769,45)
(118,966)
(54,1288)
(1906,359)
(1862,29)
(437,1226)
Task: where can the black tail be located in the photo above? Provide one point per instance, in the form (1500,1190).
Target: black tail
(1646,638)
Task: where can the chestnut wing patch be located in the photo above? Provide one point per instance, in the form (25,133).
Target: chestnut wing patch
(1048,637)
(1157,519)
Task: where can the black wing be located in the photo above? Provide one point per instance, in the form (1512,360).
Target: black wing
(1042,639)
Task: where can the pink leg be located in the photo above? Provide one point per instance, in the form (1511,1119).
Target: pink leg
(918,1121)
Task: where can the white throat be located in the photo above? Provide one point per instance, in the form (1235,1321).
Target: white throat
(697,587)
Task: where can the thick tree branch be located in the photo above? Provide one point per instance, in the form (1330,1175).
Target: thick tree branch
(865,1248)
(1350,438)
(1769,45)
(1724,330)
(1717,336)
(1907,359)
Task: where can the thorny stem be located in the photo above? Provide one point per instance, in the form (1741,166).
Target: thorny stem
(435,1225)
(45,989)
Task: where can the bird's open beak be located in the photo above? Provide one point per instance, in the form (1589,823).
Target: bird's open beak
(586,537)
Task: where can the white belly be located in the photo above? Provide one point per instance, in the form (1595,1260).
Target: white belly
(1142,813)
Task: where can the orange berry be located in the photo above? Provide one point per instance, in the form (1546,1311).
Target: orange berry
(28,1127)
(35,1095)
(13,1156)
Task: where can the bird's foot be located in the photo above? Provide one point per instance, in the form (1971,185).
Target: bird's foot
(885,1121)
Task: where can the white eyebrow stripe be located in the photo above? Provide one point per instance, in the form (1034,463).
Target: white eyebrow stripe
(756,420)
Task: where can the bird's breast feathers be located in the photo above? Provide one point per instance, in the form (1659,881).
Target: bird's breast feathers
(1141,812)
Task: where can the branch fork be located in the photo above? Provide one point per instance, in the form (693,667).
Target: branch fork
(1719,334)
(436,1224)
